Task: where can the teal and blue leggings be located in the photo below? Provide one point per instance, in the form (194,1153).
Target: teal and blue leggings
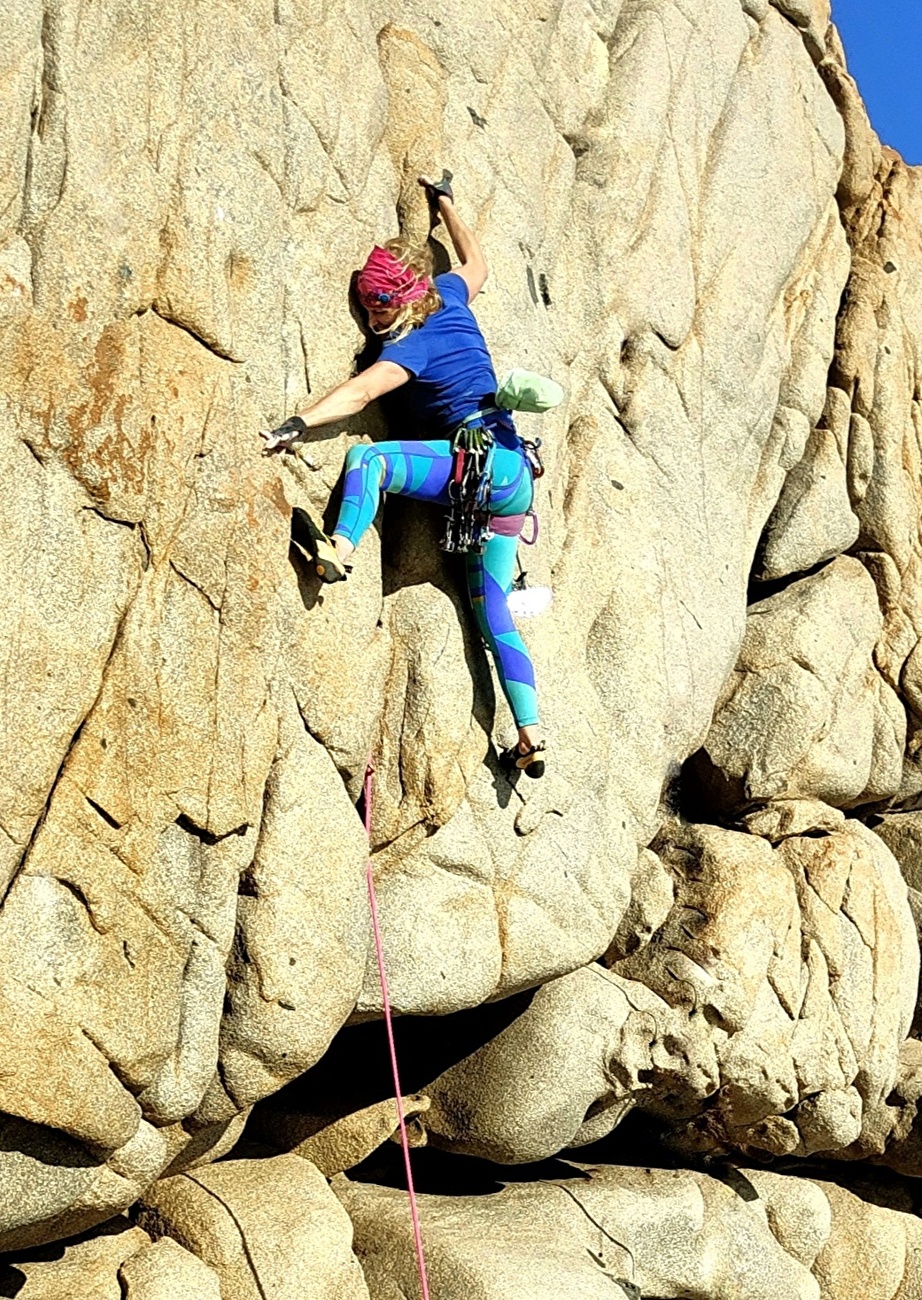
(422,470)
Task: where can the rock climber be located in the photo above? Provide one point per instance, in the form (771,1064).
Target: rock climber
(434,347)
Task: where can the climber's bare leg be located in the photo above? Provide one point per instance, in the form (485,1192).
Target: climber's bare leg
(343,547)
(528,738)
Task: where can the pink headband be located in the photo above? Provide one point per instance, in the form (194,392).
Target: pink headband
(385,281)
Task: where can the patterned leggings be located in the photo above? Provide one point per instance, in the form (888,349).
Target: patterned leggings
(422,470)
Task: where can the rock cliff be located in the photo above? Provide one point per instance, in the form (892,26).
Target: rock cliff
(706,915)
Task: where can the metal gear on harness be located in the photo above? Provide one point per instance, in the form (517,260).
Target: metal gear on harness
(468,522)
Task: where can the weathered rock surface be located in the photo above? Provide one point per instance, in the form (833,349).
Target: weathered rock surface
(666,1233)
(802,716)
(87,1268)
(902,834)
(270,1229)
(335,1145)
(115,1261)
(691,225)
(54,1187)
(767,1012)
(164,1271)
(156,363)
(813,520)
(875,398)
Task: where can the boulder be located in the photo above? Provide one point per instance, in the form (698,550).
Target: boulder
(271,1229)
(902,834)
(568,1070)
(593,1231)
(335,1145)
(85,1268)
(589,1234)
(783,818)
(797,716)
(52,1186)
(813,520)
(767,1013)
(164,1271)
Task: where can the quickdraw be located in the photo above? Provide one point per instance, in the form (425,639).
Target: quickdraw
(468,522)
(532,449)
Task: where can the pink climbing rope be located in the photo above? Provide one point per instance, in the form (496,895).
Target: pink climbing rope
(385,997)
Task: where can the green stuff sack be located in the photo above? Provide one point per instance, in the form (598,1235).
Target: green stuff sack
(524,390)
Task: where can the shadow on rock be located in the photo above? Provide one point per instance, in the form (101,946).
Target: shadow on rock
(441,1173)
(355,1071)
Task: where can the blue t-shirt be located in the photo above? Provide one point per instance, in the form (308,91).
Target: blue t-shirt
(451,374)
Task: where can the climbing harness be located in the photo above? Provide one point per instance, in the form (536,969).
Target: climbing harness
(513,525)
(385,999)
(469,524)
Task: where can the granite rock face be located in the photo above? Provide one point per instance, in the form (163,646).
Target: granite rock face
(116,1261)
(669,1235)
(165,1269)
(597,1232)
(692,226)
(765,1015)
(804,714)
(270,1229)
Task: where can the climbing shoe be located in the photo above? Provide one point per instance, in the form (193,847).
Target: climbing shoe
(327,564)
(531,762)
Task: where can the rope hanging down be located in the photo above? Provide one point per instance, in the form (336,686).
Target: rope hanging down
(385,998)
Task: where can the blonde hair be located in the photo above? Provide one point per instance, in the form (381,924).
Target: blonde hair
(418,259)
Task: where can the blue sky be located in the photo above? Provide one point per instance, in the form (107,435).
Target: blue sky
(883,42)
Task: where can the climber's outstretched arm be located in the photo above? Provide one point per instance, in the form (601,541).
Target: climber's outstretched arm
(348,399)
(473,269)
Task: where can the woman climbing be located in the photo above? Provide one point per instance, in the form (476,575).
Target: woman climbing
(433,345)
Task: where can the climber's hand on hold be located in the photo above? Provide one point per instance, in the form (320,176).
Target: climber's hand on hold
(282,438)
(435,192)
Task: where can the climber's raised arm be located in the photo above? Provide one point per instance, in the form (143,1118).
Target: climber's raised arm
(348,399)
(473,269)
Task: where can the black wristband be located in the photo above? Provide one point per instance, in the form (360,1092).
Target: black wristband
(442,187)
